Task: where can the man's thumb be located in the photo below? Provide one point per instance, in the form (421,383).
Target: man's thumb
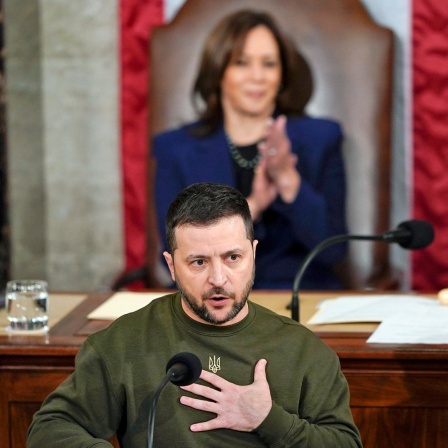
(260,370)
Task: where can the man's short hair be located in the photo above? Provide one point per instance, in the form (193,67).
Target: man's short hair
(203,204)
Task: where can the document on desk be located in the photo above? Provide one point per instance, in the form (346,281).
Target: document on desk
(404,319)
(123,303)
(371,308)
(429,328)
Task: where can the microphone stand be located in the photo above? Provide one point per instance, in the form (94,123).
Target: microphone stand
(295,304)
(167,378)
(413,234)
(182,369)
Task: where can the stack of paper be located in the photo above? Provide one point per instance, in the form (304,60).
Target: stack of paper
(404,318)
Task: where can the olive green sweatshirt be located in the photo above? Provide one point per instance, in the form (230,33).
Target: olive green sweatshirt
(117,371)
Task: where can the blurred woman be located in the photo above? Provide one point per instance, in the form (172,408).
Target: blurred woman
(251,90)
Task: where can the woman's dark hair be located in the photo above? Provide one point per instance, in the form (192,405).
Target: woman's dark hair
(225,43)
(203,204)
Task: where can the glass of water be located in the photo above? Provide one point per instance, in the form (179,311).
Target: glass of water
(27,306)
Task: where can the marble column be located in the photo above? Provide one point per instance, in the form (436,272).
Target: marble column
(64,177)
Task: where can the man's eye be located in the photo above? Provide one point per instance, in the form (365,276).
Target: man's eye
(234,257)
(198,262)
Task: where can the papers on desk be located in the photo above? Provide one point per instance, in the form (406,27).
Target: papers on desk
(123,303)
(368,308)
(431,328)
(404,318)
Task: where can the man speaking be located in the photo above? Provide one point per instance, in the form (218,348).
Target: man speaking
(267,381)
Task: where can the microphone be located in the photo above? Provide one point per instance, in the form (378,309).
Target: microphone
(182,369)
(412,234)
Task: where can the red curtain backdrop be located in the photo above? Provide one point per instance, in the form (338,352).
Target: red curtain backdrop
(430,134)
(136,19)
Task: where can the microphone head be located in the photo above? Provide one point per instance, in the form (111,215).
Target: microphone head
(187,367)
(421,234)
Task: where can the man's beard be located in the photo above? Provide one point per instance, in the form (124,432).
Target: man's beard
(203,313)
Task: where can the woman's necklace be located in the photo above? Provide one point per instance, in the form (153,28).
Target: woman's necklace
(239,159)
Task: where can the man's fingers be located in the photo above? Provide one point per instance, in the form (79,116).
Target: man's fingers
(202,405)
(213,379)
(202,391)
(242,408)
(206,426)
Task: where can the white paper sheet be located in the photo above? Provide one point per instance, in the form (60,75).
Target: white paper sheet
(351,309)
(405,319)
(428,328)
(123,303)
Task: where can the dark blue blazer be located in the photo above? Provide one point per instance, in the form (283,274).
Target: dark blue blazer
(286,232)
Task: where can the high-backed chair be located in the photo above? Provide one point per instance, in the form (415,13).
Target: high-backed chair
(351,60)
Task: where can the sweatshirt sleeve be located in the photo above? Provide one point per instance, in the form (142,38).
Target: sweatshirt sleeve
(326,419)
(79,413)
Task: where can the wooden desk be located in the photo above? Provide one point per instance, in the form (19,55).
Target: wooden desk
(399,393)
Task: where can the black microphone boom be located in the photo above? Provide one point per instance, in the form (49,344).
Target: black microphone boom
(182,369)
(413,234)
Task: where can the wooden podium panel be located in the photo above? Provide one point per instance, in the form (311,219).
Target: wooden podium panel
(23,391)
(399,393)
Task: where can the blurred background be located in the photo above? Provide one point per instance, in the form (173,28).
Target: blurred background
(74,135)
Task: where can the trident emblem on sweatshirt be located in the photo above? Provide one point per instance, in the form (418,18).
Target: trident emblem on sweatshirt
(214,364)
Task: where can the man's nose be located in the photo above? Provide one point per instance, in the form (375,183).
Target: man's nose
(217,274)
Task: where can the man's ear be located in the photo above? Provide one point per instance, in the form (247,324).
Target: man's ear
(254,247)
(170,262)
